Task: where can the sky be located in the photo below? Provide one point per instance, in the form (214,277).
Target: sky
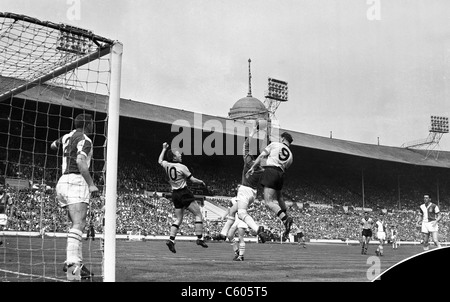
(369,71)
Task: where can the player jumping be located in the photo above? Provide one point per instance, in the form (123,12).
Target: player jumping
(279,159)
(246,194)
(182,197)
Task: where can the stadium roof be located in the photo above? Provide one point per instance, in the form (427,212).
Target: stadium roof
(167,115)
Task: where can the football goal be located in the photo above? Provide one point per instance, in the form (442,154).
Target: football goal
(49,74)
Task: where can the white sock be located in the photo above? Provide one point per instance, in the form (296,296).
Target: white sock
(73,251)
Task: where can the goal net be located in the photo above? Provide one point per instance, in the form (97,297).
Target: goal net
(50,73)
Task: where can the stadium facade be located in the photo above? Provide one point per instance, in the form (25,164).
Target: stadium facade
(144,127)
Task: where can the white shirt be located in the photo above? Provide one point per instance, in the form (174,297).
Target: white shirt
(380,226)
(178,174)
(279,155)
(367,224)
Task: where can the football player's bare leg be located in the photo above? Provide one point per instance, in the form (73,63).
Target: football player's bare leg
(269,196)
(244,216)
(434,235)
(194,208)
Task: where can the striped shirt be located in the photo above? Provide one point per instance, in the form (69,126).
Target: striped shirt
(74,143)
(429,212)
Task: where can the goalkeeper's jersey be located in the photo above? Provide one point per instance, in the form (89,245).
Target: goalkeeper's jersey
(251,181)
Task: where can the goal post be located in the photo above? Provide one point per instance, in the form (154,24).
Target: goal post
(49,73)
(111,171)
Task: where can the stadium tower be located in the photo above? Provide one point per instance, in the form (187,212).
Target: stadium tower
(248,108)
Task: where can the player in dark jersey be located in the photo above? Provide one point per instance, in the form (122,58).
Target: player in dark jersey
(279,159)
(6,203)
(74,190)
(246,193)
(182,197)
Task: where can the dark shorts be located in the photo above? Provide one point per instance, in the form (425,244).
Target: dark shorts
(300,235)
(182,198)
(273,177)
(367,232)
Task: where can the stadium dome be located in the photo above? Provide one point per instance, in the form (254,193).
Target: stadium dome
(248,108)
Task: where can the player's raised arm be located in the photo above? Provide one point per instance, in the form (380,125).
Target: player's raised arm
(246,146)
(163,151)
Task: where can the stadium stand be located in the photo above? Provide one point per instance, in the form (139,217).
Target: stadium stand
(342,176)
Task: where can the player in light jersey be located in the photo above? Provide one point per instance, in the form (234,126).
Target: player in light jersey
(381,235)
(6,204)
(279,159)
(428,219)
(241,227)
(182,197)
(394,237)
(298,230)
(366,224)
(74,189)
(246,194)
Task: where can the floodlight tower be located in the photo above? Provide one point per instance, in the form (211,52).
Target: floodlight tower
(276,94)
(438,127)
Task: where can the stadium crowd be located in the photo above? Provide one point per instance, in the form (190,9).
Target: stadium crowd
(137,211)
(152,215)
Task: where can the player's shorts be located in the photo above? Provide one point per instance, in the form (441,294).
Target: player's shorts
(182,198)
(300,235)
(72,189)
(245,196)
(239,224)
(381,235)
(367,232)
(429,227)
(272,177)
(3,219)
